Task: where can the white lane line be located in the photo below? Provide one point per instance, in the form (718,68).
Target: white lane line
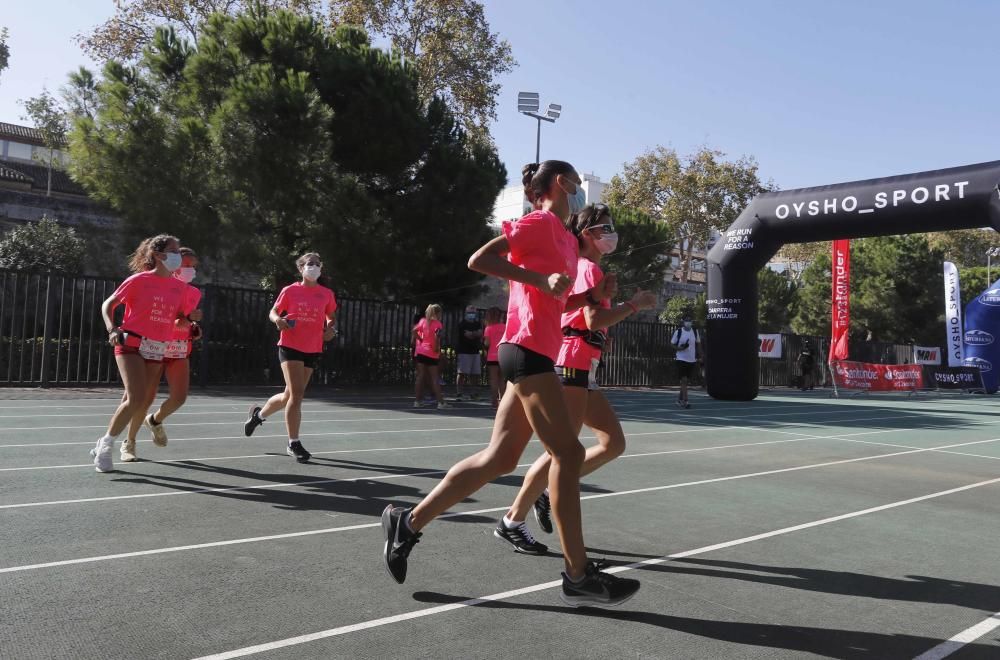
(330,530)
(417,614)
(280,435)
(967,636)
(350,451)
(238,422)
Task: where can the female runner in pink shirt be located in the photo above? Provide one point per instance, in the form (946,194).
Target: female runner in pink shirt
(153,299)
(427,355)
(492,335)
(582,345)
(174,365)
(305,313)
(539,255)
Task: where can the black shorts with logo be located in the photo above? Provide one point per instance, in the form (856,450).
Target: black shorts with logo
(571,377)
(517,363)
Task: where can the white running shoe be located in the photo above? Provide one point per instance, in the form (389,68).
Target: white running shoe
(159,433)
(128,452)
(102,455)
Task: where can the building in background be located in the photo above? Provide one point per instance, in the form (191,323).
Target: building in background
(511,204)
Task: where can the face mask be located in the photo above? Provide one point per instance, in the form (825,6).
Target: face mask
(471,317)
(577,200)
(172,261)
(311,272)
(607,243)
(687,325)
(185,274)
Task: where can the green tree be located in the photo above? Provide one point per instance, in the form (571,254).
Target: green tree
(48,117)
(4,50)
(678,306)
(284,137)
(974,281)
(777,299)
(798,256)
(966,248)
(638,261)
(897,291)
(42,245)
(448,42)
(693,195)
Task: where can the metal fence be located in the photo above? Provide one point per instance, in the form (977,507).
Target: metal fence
(52,334)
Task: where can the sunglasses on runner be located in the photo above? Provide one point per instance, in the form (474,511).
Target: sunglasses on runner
(606,228)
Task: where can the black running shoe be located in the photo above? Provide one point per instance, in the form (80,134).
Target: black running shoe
(253,421)
(520,539)
(597,587)
(398,542)
(543,512)
(298,451)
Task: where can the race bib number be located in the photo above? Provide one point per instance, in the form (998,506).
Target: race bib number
(177,350)
(152,350)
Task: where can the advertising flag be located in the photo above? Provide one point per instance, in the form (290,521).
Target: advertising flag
(953,314)
(841,315)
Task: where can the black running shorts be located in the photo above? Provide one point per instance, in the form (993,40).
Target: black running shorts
(517,363)
(310,360)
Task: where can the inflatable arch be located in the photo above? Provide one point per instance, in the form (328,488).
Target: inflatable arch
(956,198)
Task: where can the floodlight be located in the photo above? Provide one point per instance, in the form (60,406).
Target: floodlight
(527,102)
(554,111)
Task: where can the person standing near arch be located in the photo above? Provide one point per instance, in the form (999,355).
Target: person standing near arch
(687,344)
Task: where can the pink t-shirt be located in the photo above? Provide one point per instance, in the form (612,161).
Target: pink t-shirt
(493,334)
(308,307)
(575,352)
(191,299)
(540,242)
(151,304)
(426,331)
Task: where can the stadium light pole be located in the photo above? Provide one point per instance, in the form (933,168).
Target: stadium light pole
(527,104)
(990,253)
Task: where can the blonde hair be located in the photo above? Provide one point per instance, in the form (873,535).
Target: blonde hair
(433,311)
(301,261)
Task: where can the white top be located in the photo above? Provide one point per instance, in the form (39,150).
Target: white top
(684,341)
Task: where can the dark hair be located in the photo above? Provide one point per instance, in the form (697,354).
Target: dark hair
(188,252)
(588,217)
(493,315)
(142,259)
(538,177)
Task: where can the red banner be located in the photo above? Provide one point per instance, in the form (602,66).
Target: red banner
(841,315)
(878,377)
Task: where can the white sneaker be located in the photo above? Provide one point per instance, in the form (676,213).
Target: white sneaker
(128,452)
(102,455)
(444,404)
(417,404)
(159,433)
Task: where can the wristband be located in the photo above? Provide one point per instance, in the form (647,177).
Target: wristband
(591,299)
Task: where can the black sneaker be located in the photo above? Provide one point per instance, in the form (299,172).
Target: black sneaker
(298,451)
(253,421)
(543,512)
(597,587)
(686,404)
(398,542)
(520,538)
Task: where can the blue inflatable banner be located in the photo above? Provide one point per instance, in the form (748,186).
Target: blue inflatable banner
(982,343)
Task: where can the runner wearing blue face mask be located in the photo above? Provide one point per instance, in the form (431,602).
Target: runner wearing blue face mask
(470,342)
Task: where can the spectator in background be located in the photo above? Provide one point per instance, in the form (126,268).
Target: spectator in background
(470,344)
(685,341)
(427,333)
(807,364)
(492,335)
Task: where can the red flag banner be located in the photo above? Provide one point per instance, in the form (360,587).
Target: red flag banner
(841,314)
(877,377)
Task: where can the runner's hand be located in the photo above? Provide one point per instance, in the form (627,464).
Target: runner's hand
(115,337)
(195,331)
(329,333)
(282,324)
(644,299)
(606,288)
(556,284)
(195,315)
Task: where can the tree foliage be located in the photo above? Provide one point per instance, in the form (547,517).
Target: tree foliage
(692,195)
(638,261)
(282,137)
(966,248)
(897,291)
(47,116)
(42,245)
(4,50)
(448,42)
(777,299)
(798,256)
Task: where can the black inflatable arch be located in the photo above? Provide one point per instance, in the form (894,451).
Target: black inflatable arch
(956,198)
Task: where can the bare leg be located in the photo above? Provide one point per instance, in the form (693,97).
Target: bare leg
(418,388)
(178,383)
(296,380)
(434,373)
(494,376)
(133,371)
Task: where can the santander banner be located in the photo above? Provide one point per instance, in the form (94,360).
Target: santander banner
(841,288)
(878,377)
(953,314)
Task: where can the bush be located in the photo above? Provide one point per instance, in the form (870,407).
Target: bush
(42,245)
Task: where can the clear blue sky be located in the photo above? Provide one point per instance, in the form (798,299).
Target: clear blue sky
(818,92)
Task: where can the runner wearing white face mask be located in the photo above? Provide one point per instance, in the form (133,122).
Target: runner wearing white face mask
(305,314)
(686,342)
